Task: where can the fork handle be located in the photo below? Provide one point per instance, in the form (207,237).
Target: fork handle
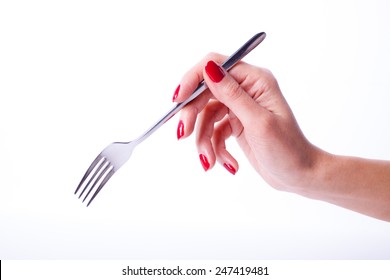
(227,65)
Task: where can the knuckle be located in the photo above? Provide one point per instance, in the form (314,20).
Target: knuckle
(267,79)
(232,91)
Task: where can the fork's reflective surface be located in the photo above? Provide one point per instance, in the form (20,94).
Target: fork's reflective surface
(116,154)
(103,167)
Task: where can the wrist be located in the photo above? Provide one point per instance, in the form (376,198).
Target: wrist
(316,173)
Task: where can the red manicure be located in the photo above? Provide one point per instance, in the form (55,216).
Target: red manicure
(204,161)
(176,93)
(215,72)
(230,168)
(180,130)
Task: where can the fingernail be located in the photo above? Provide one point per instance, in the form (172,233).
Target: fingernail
(230,168)
(204,161)
(176,93)
(180,130)
(215,72)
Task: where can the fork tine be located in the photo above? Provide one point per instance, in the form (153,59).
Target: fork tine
(92,179)
(90,169)
(107,165)
(104,181)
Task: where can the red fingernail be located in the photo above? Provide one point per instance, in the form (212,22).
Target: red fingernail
(215,72)
(176,93)
(180,130)
(204,161)
(230,168)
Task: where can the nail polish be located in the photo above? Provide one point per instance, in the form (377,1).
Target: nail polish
(214,71)
(180,130)
(176,93)
(230,168)
(204,161)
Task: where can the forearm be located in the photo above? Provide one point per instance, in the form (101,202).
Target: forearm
(358,184)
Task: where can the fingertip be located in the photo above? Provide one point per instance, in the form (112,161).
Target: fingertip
(176,93)
(180,130)
(206,157)
(229,167)
(214,71)
(204,161)
(186,124)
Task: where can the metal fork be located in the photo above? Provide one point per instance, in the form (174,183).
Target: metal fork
(116,154)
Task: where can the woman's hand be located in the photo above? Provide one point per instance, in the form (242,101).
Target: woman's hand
(245,103)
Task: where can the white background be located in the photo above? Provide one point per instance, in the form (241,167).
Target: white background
(78,75)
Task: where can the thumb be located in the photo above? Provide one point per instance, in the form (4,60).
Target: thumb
(226,89)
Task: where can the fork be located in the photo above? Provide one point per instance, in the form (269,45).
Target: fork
(116,154)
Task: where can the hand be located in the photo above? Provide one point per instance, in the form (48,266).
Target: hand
(245,103)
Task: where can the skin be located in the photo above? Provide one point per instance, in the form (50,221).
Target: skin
(248,104)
